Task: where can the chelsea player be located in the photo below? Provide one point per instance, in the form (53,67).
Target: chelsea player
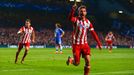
(59,33)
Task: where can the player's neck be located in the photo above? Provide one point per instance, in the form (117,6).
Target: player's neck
(27,26)
(83,18)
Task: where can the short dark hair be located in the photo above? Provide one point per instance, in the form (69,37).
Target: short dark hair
(82,6)
(28,20)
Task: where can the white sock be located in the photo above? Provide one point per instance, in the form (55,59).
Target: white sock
(56,48)
(60,48)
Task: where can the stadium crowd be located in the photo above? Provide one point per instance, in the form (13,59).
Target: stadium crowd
(8,36)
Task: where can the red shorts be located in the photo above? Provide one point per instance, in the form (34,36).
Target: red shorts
(80,49)
(109,42)
(24,44)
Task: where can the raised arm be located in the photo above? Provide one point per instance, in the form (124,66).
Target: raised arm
(71,17)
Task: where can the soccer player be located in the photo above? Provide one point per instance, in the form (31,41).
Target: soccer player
(81,25)
(59,33)
(109,40)
(27,35)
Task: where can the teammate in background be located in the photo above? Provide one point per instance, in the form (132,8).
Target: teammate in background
(109,40)
(26,35)
(81,25)
(59,33)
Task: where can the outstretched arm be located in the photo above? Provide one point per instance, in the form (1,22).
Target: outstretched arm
(33,36)
(20,31)
(93,33)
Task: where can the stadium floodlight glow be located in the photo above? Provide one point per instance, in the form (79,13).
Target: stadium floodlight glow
(75,0)
(120,11)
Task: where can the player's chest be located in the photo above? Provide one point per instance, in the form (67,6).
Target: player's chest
(28,31)
(110,36)
(57,31)
(82,25)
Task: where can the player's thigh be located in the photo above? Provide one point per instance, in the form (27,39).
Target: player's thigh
(86,54)
(20,46)
(85,50)
(76,53)
(87,60)
(27,46)
(109,42)
(58,41)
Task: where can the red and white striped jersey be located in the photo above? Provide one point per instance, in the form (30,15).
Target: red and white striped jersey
(80,30)
(27,32)
(110,37)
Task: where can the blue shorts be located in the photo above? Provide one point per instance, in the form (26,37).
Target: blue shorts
(58,41)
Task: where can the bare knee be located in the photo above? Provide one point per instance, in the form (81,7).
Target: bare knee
(87,61)
(87,64)
(26,49)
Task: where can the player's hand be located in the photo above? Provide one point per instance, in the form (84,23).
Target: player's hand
(75,6)
(61,36)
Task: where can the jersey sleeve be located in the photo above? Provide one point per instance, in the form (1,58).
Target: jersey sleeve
(95,36)
(91,28)
(61,31)
(32,29)
(20,30)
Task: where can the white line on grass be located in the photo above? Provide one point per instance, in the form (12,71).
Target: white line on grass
(117,72)
(18,70)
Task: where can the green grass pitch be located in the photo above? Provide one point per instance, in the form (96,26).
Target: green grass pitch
(46,62)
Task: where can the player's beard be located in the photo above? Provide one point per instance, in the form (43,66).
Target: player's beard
(82,16)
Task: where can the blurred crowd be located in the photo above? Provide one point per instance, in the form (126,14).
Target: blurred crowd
(8,36)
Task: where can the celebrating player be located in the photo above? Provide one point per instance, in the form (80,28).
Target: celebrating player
(26,33)
(109,40)
(80,46)
(59,33)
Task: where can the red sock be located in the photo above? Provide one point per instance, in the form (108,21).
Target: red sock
(86,70)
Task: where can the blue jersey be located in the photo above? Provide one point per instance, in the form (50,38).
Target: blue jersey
(58,33)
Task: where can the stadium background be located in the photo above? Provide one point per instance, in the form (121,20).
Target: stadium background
(106,15)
